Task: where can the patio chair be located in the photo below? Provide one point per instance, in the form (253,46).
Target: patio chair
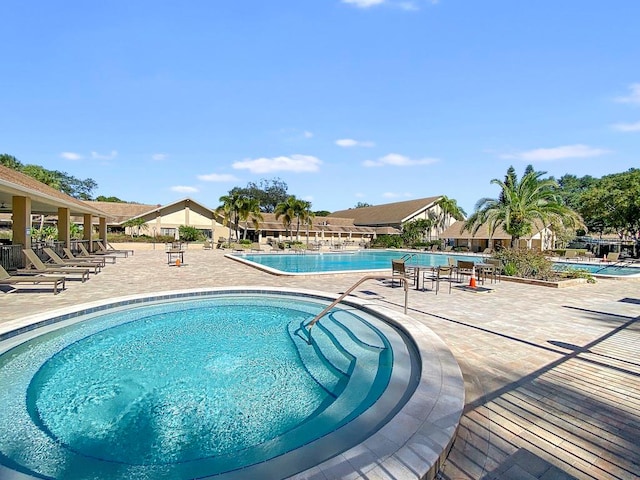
(497,268)
(12,280)
(84,253)
(465,268)
(35,265)
(57,260)
(436,274)
(255,247)
(400,271)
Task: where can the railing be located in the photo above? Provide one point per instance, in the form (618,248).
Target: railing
(11,257)
(405,283)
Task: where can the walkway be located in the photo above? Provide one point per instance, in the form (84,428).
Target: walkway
(552,376)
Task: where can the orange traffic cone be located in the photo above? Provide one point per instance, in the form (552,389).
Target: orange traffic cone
(177,262)
(472,281)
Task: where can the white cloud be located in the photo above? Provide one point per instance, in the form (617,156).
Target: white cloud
(397,160)
(159,156)
(184,189)
(364,3)
(294,163)
(556,153)
(634,97)
(349,142)
(217,177)
(307,134)
(71,156)
(627,127)
(396,195)
(109,156)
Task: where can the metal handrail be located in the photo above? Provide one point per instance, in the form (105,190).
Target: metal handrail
(405,282)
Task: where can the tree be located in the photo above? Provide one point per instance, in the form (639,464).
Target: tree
(61,181)
(250,210)
(614,205)
(188,233)
(520,204)
(230,210)
(362,205)
(294,208)
(268,193)
(102,198)
(137,223)
(10,161)
(448,209)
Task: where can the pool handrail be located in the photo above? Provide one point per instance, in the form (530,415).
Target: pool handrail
(405,283)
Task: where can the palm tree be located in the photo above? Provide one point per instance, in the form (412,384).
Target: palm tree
(287,210)
(449,208)
(250,209)
(302,212)
(230,210)
(520,204)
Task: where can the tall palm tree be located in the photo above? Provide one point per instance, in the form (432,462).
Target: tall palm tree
(286,211)
(449,208)
(229,209)
(303,214)
(250,210)
(520,204)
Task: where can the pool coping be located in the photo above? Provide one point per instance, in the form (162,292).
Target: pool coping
(411,445)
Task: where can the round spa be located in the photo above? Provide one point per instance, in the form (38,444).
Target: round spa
(226,384)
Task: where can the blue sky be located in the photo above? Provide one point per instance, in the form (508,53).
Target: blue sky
(346,101)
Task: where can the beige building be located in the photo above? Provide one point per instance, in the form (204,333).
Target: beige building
(541,239)
(162,220)
(390,218)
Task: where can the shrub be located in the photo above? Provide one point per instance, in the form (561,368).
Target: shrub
(525,263)
(388,241)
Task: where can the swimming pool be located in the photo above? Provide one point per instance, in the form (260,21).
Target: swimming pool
(361,260)
(200,384)
(368,260)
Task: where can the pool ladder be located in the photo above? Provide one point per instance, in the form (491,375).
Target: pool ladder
(405,283)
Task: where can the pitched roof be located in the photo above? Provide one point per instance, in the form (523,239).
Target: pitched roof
(121,212)
(388,214)
(327,224)
(455,232)
(44,199)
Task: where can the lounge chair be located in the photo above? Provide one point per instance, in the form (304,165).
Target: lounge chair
(84,253)
(110,248)
(255,247)
(35,265)
(70,256)
(102,250)
(6,279)
(56,259)
(612,257)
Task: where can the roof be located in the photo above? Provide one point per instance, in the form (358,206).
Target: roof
(388,214)
(121,212)
(329,225)
(455,232)
(44,199)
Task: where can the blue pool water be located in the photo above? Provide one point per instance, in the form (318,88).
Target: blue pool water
(187,389)
(365,260)
(361,260)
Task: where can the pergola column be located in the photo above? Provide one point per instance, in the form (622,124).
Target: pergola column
(64,224)
(21,221)
(88,230)
(102,227)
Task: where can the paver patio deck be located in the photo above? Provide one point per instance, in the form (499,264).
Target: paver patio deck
(552,376)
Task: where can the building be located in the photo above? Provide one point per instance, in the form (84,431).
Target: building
(542,238)
(391,217)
